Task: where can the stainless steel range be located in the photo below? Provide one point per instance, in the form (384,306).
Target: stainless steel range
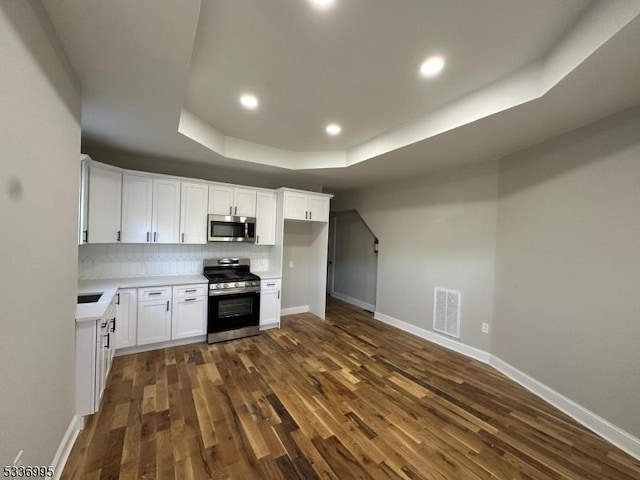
(234,299)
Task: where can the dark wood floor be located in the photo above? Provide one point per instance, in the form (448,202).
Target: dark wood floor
(341,399)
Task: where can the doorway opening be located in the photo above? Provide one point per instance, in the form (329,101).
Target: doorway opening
(352,260)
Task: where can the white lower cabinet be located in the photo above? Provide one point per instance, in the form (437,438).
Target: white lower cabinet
(171,313)
(270,303)
(127,314)
(189,317)
(154,320)
(95,348)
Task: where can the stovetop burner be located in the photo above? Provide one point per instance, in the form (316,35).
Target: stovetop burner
(230,273)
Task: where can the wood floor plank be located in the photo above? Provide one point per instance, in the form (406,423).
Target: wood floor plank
(346,398)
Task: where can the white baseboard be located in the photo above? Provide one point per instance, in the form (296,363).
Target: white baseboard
(613,434)
(269,326)
(353,301)
(608,431)
(66,444)
(161,345)
(294,310)
(454,345)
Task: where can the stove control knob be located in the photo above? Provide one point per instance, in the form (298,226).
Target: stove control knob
(214,286)
(237,285)
(226,285)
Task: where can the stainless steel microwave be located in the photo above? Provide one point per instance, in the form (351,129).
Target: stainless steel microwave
(226,228)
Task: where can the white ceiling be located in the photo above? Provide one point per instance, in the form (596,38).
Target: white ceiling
(163,78)
(356,63)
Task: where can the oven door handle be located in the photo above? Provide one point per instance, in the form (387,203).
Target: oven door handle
(230,291)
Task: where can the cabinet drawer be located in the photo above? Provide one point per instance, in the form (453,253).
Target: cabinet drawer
(266,285)
(184,291)
(154,293)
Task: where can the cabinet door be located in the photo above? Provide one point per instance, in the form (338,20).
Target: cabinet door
(166,210)
(105,203)
(270,304)
(265,218)
(102,361)
(126,319)
(83,209)
(193,212)
(154,321)
(189,317)
(137,204)
(244,202)
(318,208)
(296,206)
(220,200)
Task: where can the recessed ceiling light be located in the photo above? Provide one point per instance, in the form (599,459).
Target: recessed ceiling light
(249,101)
(322,3)
(333,129)
(432,66)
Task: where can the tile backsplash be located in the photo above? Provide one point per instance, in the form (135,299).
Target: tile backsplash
(142,260)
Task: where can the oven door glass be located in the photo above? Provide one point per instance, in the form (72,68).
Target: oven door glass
(230,312)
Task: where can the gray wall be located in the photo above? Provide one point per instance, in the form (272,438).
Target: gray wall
(567,308)
(354,261)
(295,281)
(437,231)
(40,147)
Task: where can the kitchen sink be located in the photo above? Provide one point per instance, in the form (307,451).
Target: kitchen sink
(89,298)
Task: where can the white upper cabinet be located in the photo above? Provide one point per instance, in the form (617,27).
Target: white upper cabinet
(193,213)
(220,200)
(318,208)
(306,206)
(83,210)
(137,208)
(244,200)
(225,200)
(265,218)
(104,205)
(296,206)
(166,210)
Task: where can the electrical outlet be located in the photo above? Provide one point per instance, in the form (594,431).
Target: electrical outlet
(290,263)
(18,460)
(485,328)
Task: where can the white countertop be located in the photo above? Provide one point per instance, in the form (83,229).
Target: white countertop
(269,275)
(109,287)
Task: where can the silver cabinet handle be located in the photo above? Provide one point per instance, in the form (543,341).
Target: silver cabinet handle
(118,235)
(306,215)
(155,236)
(85,236)
(231,210)
(189,300)
(258,239)
(278,293)
(155,293)
(167,305)
(118,301)
(191,291)
(236,211)
(148,236)
(183,238)
(310,214)
(270,284)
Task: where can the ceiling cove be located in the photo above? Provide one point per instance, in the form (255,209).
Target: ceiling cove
(164,78)
(592,29)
